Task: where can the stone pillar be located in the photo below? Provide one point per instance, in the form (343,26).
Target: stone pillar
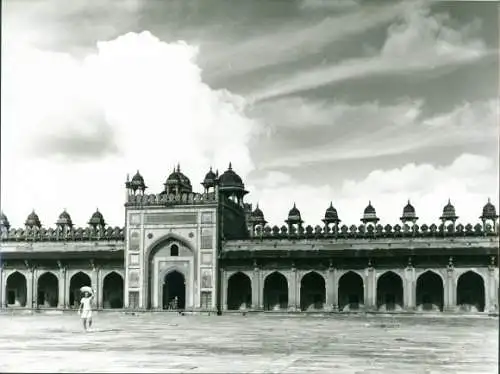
(29,288)
(98,287)
(61,300)
(224,289)
(450,293)
(256,300)
(409,291)
(67,281)
(492,294)
(292,290)
(331,290)
(370,294)
(3,285)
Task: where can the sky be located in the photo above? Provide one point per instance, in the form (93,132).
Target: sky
(313,101)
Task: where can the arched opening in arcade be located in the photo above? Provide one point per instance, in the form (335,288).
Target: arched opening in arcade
(112,291)
(174,291)
(47,291)
(312,291)
(239,292)
(275,292)
(351,292)
(77,281)
(470,292)
(430,292)
(16,290)
(389,292)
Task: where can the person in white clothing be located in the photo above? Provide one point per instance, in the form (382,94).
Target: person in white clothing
(85,310)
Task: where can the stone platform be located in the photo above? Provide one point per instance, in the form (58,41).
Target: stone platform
(165,342)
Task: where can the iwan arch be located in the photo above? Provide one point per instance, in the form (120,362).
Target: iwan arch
(211,251)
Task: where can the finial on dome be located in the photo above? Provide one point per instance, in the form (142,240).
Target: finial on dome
(217,172)
(210,168)
(331,204)
(128,177)
(294,204)
(178,167)
(489,200)
(449,201)
(409,202)
(230,166)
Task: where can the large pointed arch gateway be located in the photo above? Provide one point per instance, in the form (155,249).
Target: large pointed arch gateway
(350,292)
(170,252)
(312,291)
(471,292)
(16,290)
(47,290)
(275,292)
(389,292)
(430,292)
(239,292)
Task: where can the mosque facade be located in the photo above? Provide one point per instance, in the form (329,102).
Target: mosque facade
(212,251)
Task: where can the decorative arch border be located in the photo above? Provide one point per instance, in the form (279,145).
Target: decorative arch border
(157,244)
(439,272)
(461,271)
(267,273)
(302,274)
(72,272)
(341,273)
(398,272)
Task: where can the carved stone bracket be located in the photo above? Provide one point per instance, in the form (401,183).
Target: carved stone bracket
(255,266)
(450,266)
(492,264)
(410,263)
(370,265)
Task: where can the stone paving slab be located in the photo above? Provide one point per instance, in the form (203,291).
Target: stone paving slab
(170,343)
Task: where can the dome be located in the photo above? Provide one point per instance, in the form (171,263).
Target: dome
(33,220)
(409,212)
(210,179)
(331,214)
(178,179)
(230,179)
(137,182)
(449,211)
(369,214)
(489,211)
(64,219)
(4,222)
(97,219)
(294,215)
(257,213)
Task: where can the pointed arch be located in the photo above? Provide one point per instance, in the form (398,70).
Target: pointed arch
(174,290)
(112,291)
(16,289)
(275,291)
(350,291)
(77,281)
(312,291)
(164,242)
(389,291)
(47,290)
(430,291)
(239,291)
(471,292)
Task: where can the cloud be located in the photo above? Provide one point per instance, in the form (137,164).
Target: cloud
(419,41)
(371,130)
(468,181)
(295,40)
(72,129)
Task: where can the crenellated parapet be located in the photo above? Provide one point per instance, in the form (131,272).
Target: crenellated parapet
(163,199)
(42,234)
(374,231)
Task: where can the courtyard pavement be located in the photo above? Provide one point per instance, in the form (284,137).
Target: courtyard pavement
(166,343)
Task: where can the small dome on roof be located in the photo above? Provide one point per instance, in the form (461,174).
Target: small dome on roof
(230,179)
(137,182)
(369,214)
(4,222)
(409,213)
(177,177)
(449,211)
(210,179)
(331,214)
(97,219)
(294,215)
(33,220)
(257,213)
(489,211)
(64,219)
